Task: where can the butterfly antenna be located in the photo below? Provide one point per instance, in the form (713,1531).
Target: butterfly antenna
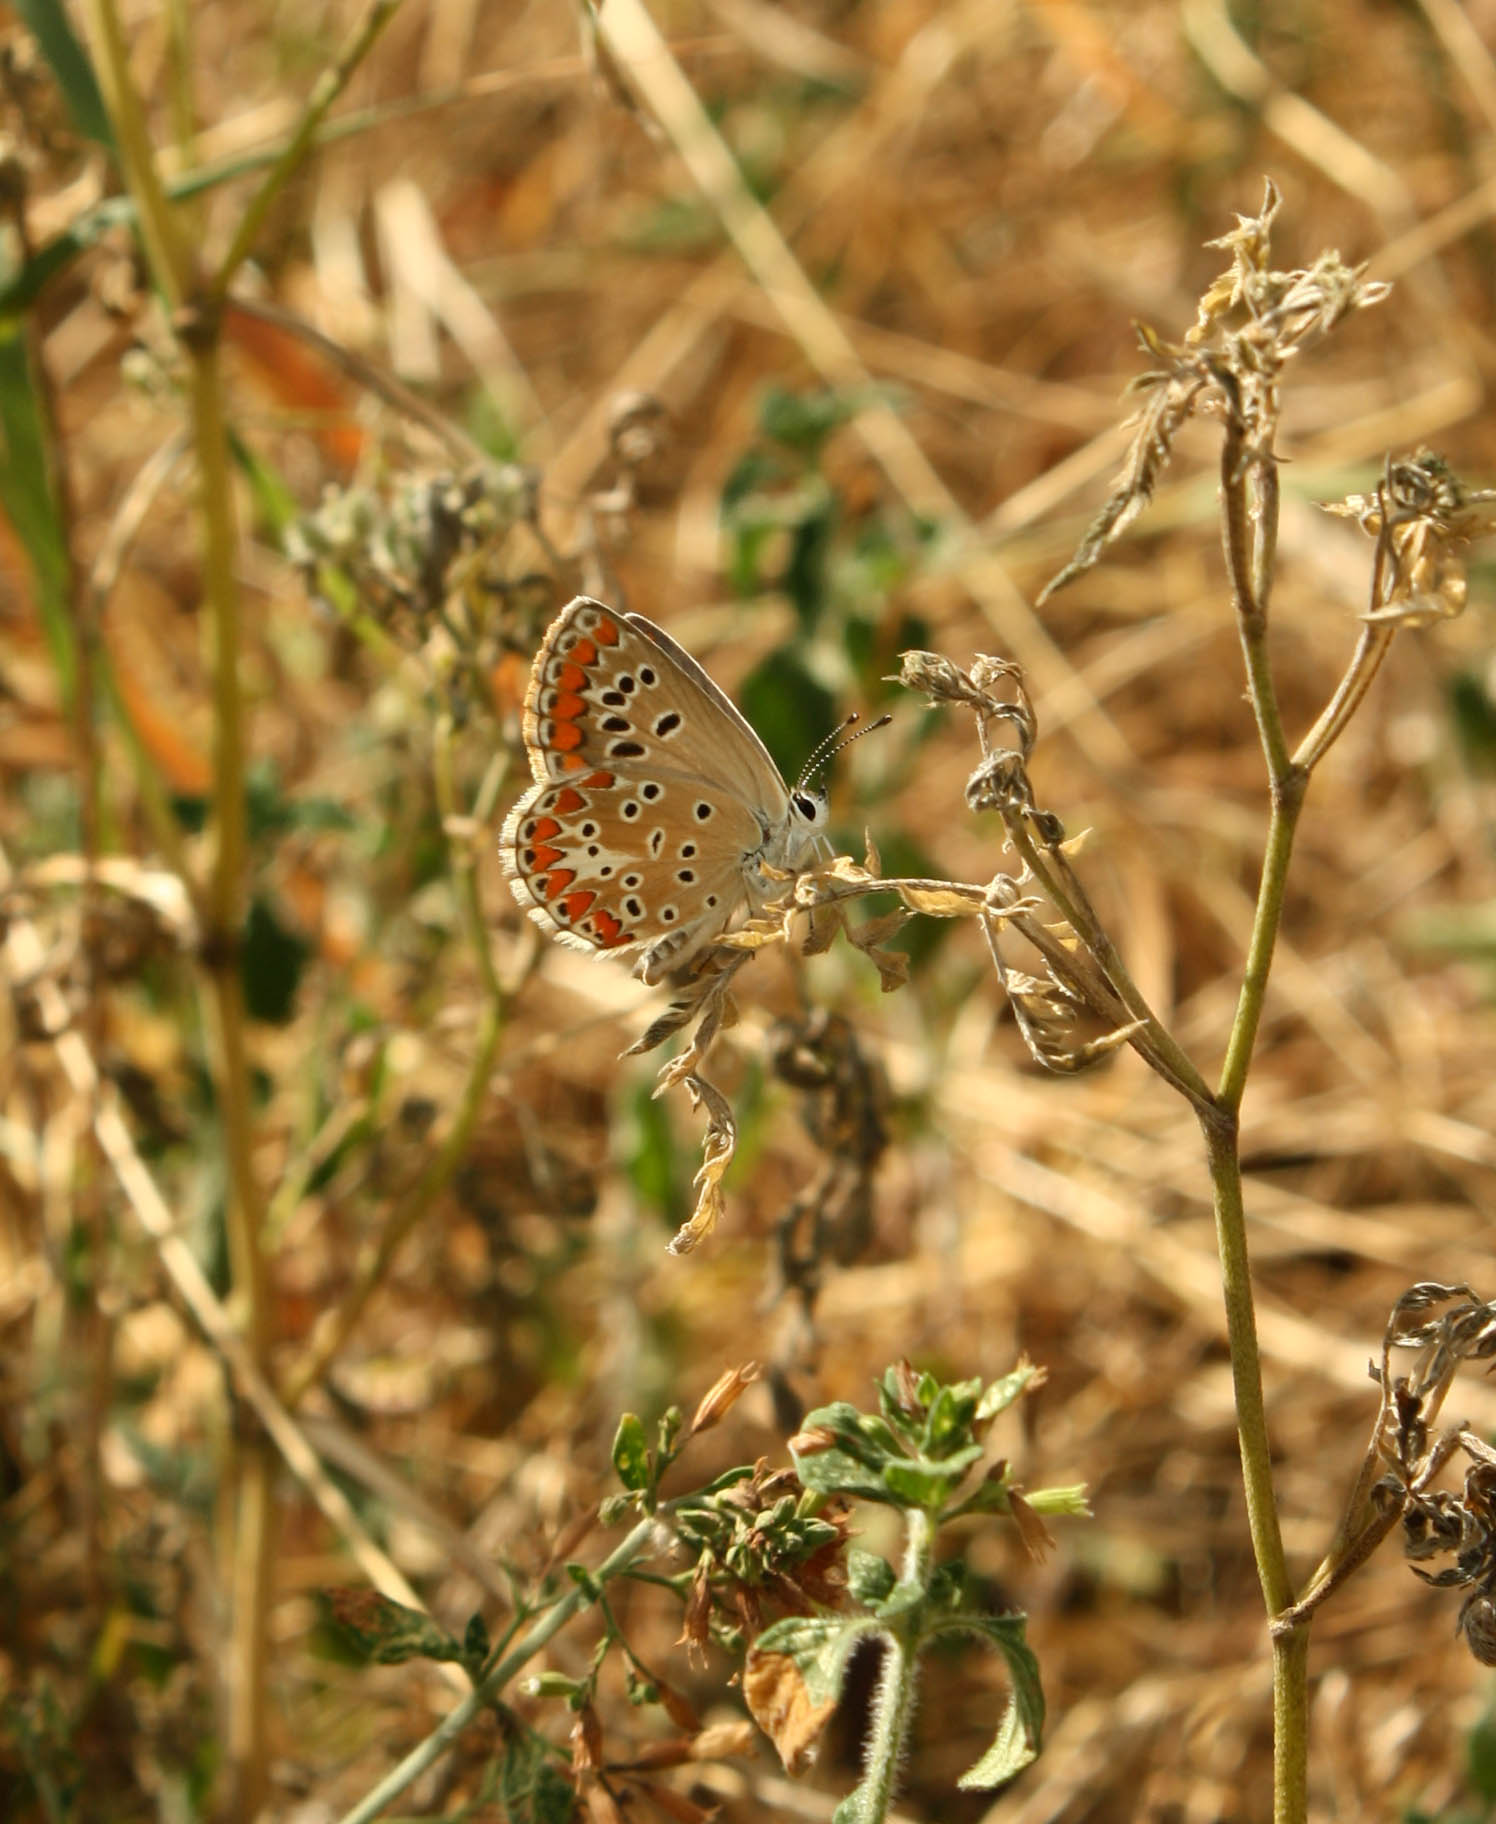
(826,751)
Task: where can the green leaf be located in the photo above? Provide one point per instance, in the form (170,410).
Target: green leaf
(651,1158)
(803,421)
(949,1420)
(1480,1758)
(667,1435)
(1001,1394)
(821,1647)
(273,960)
(805,580)
(48,24)
(919,1482)
(857,1447)
(791,710)
(379,1632)
(753,471)
(532,1787)
(1474,717)
(631,1454)
(476,1644)
(870,1579)
(27,497)
(1020,1732)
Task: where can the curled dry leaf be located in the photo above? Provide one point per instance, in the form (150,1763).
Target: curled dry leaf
(779,1702)
(718,1145)
(942,902)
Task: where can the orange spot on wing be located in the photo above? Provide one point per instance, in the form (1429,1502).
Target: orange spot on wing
(572,763)
(583,653)
(607,632)
(575,905)
(609,930)
(566,737)
(568,706)
(599,781)
(543,828)
(567,800)
(558,880)
(544,857)
(571,677)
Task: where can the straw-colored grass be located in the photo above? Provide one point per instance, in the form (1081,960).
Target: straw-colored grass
(963,204)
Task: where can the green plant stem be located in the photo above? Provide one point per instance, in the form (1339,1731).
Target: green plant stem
(166,250)
(1288,803)
(330,85)
(893,1700)
(253,1546)
(1366,661)
(1250,544)
(252,1552)
(425,1754)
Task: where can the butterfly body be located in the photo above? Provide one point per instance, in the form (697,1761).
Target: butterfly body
(657,815)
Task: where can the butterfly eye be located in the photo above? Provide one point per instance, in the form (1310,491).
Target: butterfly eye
(810,807)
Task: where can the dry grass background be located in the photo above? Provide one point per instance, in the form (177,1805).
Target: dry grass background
(980,198)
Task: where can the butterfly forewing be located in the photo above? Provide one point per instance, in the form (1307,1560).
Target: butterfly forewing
(651,795)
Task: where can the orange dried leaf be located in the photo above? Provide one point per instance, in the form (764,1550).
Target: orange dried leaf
(781,1705)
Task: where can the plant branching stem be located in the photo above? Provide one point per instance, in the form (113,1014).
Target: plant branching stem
(1249,502)
(1366,661)
(425,1754)
(330,85)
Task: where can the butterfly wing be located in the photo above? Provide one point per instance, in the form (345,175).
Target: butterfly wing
(614,866)
(610,687)
(651,792)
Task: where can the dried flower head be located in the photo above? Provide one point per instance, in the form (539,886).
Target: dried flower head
(1251,321)
(1422,517)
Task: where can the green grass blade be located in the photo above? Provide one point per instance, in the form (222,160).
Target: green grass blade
(27,497)
(68,61)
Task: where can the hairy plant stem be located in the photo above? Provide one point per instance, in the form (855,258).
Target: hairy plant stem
(425,1754)
(893,1699)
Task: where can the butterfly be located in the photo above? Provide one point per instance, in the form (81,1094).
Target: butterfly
(657,813)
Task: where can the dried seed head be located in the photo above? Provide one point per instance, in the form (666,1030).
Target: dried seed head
(1422,517)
